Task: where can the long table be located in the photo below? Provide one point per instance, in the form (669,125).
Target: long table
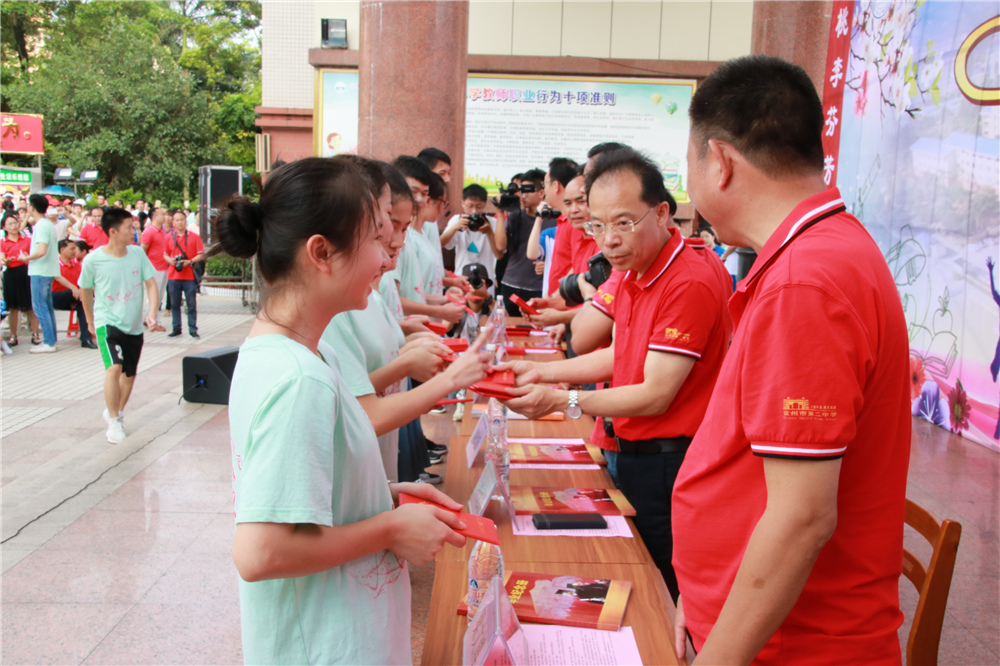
(649,611)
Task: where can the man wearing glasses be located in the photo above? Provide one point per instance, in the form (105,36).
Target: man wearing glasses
(511,236)
(671,333)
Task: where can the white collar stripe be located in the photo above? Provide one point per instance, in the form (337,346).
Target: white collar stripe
(810,215)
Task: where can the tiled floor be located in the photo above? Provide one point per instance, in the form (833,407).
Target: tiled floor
(122,554)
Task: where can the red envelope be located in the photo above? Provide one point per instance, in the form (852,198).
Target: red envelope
(516,351)
(518,331)
(504,377)
(456,345)
(458,301)
(491,389)
(435,327)
(476,527)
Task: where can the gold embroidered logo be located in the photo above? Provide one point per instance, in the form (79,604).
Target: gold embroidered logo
(674,335)
(607,298)
(799,408)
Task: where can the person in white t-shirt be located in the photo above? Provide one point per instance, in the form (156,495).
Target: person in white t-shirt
(471,233)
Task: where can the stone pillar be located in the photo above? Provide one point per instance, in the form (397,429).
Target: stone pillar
(794,30)
(412,77)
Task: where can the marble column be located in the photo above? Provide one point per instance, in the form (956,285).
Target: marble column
(794,30)
(413,64)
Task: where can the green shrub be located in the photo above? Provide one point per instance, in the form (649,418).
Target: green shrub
(225,266)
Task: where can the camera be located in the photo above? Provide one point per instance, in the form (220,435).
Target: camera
(598,271)
(475,279)
(508,199)
(477,221)
(549,214)
(179,258)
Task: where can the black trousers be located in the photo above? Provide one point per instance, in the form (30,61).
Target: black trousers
(648,483)
(63,300)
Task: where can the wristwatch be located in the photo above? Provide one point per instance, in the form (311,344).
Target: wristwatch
(573,409)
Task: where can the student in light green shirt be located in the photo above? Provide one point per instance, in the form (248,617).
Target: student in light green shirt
(112,279)
(322,555)
(43,266)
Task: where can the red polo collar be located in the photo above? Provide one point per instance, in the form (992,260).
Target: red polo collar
(809,211)
(669,252)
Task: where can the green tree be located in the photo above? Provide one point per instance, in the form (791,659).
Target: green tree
(120,104)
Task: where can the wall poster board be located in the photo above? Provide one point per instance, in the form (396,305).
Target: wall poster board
(516,123)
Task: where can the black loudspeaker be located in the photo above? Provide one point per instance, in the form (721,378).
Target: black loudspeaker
(208,375)
(216,184)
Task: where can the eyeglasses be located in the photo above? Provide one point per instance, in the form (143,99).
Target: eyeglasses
(623,227)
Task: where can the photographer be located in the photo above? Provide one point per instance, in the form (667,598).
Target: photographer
(511,236)
(471,233)
(183,249)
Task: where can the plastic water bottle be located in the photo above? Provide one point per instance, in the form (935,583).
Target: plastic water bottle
(497,449)
(485,562)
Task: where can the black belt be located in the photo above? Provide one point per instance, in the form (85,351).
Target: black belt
(649,447)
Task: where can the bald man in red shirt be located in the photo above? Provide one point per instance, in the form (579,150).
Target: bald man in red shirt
(788,509)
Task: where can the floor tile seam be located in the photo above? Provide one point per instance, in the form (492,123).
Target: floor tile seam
(995,649)
(131,607)
(97,442)
(94,481)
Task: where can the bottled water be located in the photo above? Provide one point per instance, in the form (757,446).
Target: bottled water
(485,562)
(497,449)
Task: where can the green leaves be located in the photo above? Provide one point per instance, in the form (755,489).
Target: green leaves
(144,92)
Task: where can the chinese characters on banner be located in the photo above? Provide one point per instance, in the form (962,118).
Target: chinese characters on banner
(833,86)
(21,134)
(516,123)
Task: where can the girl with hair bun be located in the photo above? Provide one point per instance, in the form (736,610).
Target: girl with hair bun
(320,550)
(376,358)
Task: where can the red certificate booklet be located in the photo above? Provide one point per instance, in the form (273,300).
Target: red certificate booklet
(568,600)
(608,502)
(476,527)
(579,454)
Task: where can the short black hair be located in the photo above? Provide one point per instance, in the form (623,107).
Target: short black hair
(83,246)
(39,202)
(768,109)
(517,176)
(436,188)
(397,183)
(431,156)
(113,218)
(536,176)
(475,191)
(627,160)
(604,147)
(63,243)
(414,167)
(563,169)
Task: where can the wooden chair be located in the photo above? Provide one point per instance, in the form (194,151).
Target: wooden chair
(933,583)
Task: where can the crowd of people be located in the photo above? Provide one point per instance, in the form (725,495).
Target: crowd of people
(761,432)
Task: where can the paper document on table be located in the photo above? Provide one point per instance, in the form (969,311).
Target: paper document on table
(555,645)
(617,527)
(514,465)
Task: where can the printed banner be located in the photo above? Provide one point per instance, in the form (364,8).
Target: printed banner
(516,123)
(919,165)
(21,134)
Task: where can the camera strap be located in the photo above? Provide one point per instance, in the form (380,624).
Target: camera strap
(178,247)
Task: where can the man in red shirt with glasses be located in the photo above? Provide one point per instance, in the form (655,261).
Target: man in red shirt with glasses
(788,510)
(671,331)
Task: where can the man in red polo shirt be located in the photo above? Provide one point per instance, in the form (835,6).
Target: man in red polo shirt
(66,289)
(183,249)
(671,333)
(788,510)
(154,244)
(91,232)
